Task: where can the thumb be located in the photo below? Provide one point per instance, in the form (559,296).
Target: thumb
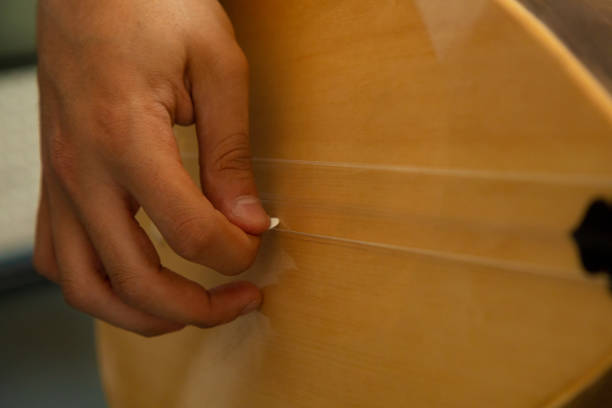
(221,100)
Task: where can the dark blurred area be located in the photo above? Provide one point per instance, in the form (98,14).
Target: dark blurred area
(17,33)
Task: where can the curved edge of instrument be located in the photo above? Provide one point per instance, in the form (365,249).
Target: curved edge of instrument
(125,378)
(585,27)
(583,77)
(582,385)
(602,99)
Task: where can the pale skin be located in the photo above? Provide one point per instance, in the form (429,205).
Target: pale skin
(114,76)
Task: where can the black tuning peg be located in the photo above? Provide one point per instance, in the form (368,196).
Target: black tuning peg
(594,238)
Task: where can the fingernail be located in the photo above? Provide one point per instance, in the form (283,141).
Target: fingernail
(250,307)
(249,210)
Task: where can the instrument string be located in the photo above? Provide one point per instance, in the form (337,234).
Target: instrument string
(522,267)
(531,177)
(576,180)
(602,181)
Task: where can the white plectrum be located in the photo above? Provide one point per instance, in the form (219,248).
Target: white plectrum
(273,223)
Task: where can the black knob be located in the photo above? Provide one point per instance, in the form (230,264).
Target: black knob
(594,238)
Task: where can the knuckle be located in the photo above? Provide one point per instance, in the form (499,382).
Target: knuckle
(239,263)
(110,118)
(118,129)
(42,266)
(247,260)
(74,295)
(127,284)
(111,130)
(232,154)
(239,62)
(232,62)
(61,159)
(39,260)
(191,237)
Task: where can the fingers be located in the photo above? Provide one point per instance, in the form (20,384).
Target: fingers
(150,169)
(106,138)
(139,279)
(221,99)
(83,281)
(191,225)
(44,257)
(141,295)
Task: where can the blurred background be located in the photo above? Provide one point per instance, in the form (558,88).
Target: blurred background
(47,355)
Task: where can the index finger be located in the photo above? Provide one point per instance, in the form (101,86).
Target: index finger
(154,175)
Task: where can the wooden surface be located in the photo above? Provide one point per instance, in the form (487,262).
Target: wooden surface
(428,163)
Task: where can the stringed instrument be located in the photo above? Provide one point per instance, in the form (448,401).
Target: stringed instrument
(429,161)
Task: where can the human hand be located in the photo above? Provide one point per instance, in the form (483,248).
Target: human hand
(114,76)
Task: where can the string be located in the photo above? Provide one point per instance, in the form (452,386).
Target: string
(531,177)
(547,178)
(521,267)
(550,178)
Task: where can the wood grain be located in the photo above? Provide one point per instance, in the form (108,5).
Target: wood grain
(426,192)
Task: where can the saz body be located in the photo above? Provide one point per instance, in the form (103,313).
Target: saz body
(428,161)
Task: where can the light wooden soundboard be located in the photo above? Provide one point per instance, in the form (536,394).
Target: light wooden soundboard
(428,160)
